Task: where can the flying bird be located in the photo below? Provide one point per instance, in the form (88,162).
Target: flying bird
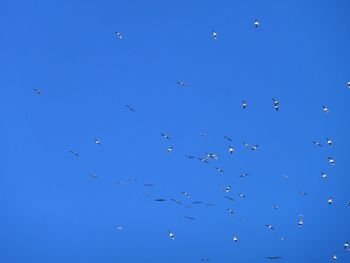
(242,195)
(214,35)
(202,134)
(349,84)
(165,136)
(244,104)
(181,84)
(74,153)
(119,227)
(130,108)
(317,143)
(301,221)
(148,185)
(230,211)
(324,175)
(37,91)
(234,238)
(346,245)
(98,142)
(231,150)
(205,160)
(228,138)
(255,147)
(189,156)
(274,257)
(243,175)
(330,201)
(331,160)
(197,202)
(229,198)
(276,104)
(190,218)
(160,200)
(171,235)
(329,141)
(119,35)
(270,227)
(256,23)
(219,169)
(227,188)
(303,193)
(187,195)
(170,149)
(325,109)
(334,258)
(94,176)
(176,201)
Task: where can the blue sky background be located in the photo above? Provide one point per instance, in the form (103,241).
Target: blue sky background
(53,211)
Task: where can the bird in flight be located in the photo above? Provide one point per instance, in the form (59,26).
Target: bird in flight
(120,227)
(227,188)
(329,141)
(190,156)
(234,238)
(165,136)
(330,201)
(243,175)
(325,109)
(219,169)
(94,176)
(176,201)
(205,160)
(160,200)
(130,108)
(98,142)
(334,258)
(190,218)
(303,193)
(346,245)
(148,185)
(255,147)
(187,195)
(256,23)
(212,155)
(324,175)
(244,104)
(231,150)
(274,257)
(270,227)
(301,221)
(331,160)
(229,198)
(170,149)
(349,84)
(276,104)
(171,235)
(181,84)
(317,143)
(74,153)
(37,91)
(242,195)
(119,35)
(230,211)
(228,138)
(202,134)
(214,35)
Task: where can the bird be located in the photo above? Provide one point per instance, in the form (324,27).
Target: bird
(227,188)
(276,207)
(176,201)
(330,200)
(37,91)
(214,35)
(331,160)
(148,185)
(243,175)
(276,104)
(119,35)
(190,156)
(303,193)
(301,221)
(205,160)
(231,150)
(244,104)
(181,84)
(171,235)
(74,153)
(130,108)
(190,218)
(212,155)
(120,227)
(255,147)
(234,238)
(317,143)
(94,176)
(205,259)
(242,195)
(187,195)
(165,136)
(324,175)
(230,211)
(346,245)
(202,134)
(329,141)
(246,145)
(227,138)
(160,200)
(219,169)
(98,142)
(209,204)
(197,202)
(348,203)
(349,84)
(325,109)
(256,23)
(273,257)
(229,198)
(270,227)
(334,258)
(170,149)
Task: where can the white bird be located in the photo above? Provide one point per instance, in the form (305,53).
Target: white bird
(256,23)
(219,169)
(301,221)
(165,136)
(330,201)
(187,195)
(230,211)
(329,141)
(98,141)
(120,227)
(324,175)
(334,257)
(331,160)
(270,227)
(317,143)
(276,104)
(170,149)
(119,35)
(235,238)
(242,195)
(349,84)
(181,84)
(276,207)
(255,147)
(94,176)
(214,35)
(231,150)
(227,188)
(212,155)
(346,245)
(325,109)
(171,235)
(202,134)
(244,104)
(243,175)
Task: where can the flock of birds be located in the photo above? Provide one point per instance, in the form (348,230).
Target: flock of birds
(208,156)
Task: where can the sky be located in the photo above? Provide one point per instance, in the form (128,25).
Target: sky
(53,210)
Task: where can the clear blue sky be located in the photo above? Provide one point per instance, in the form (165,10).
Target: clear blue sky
(52,210)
